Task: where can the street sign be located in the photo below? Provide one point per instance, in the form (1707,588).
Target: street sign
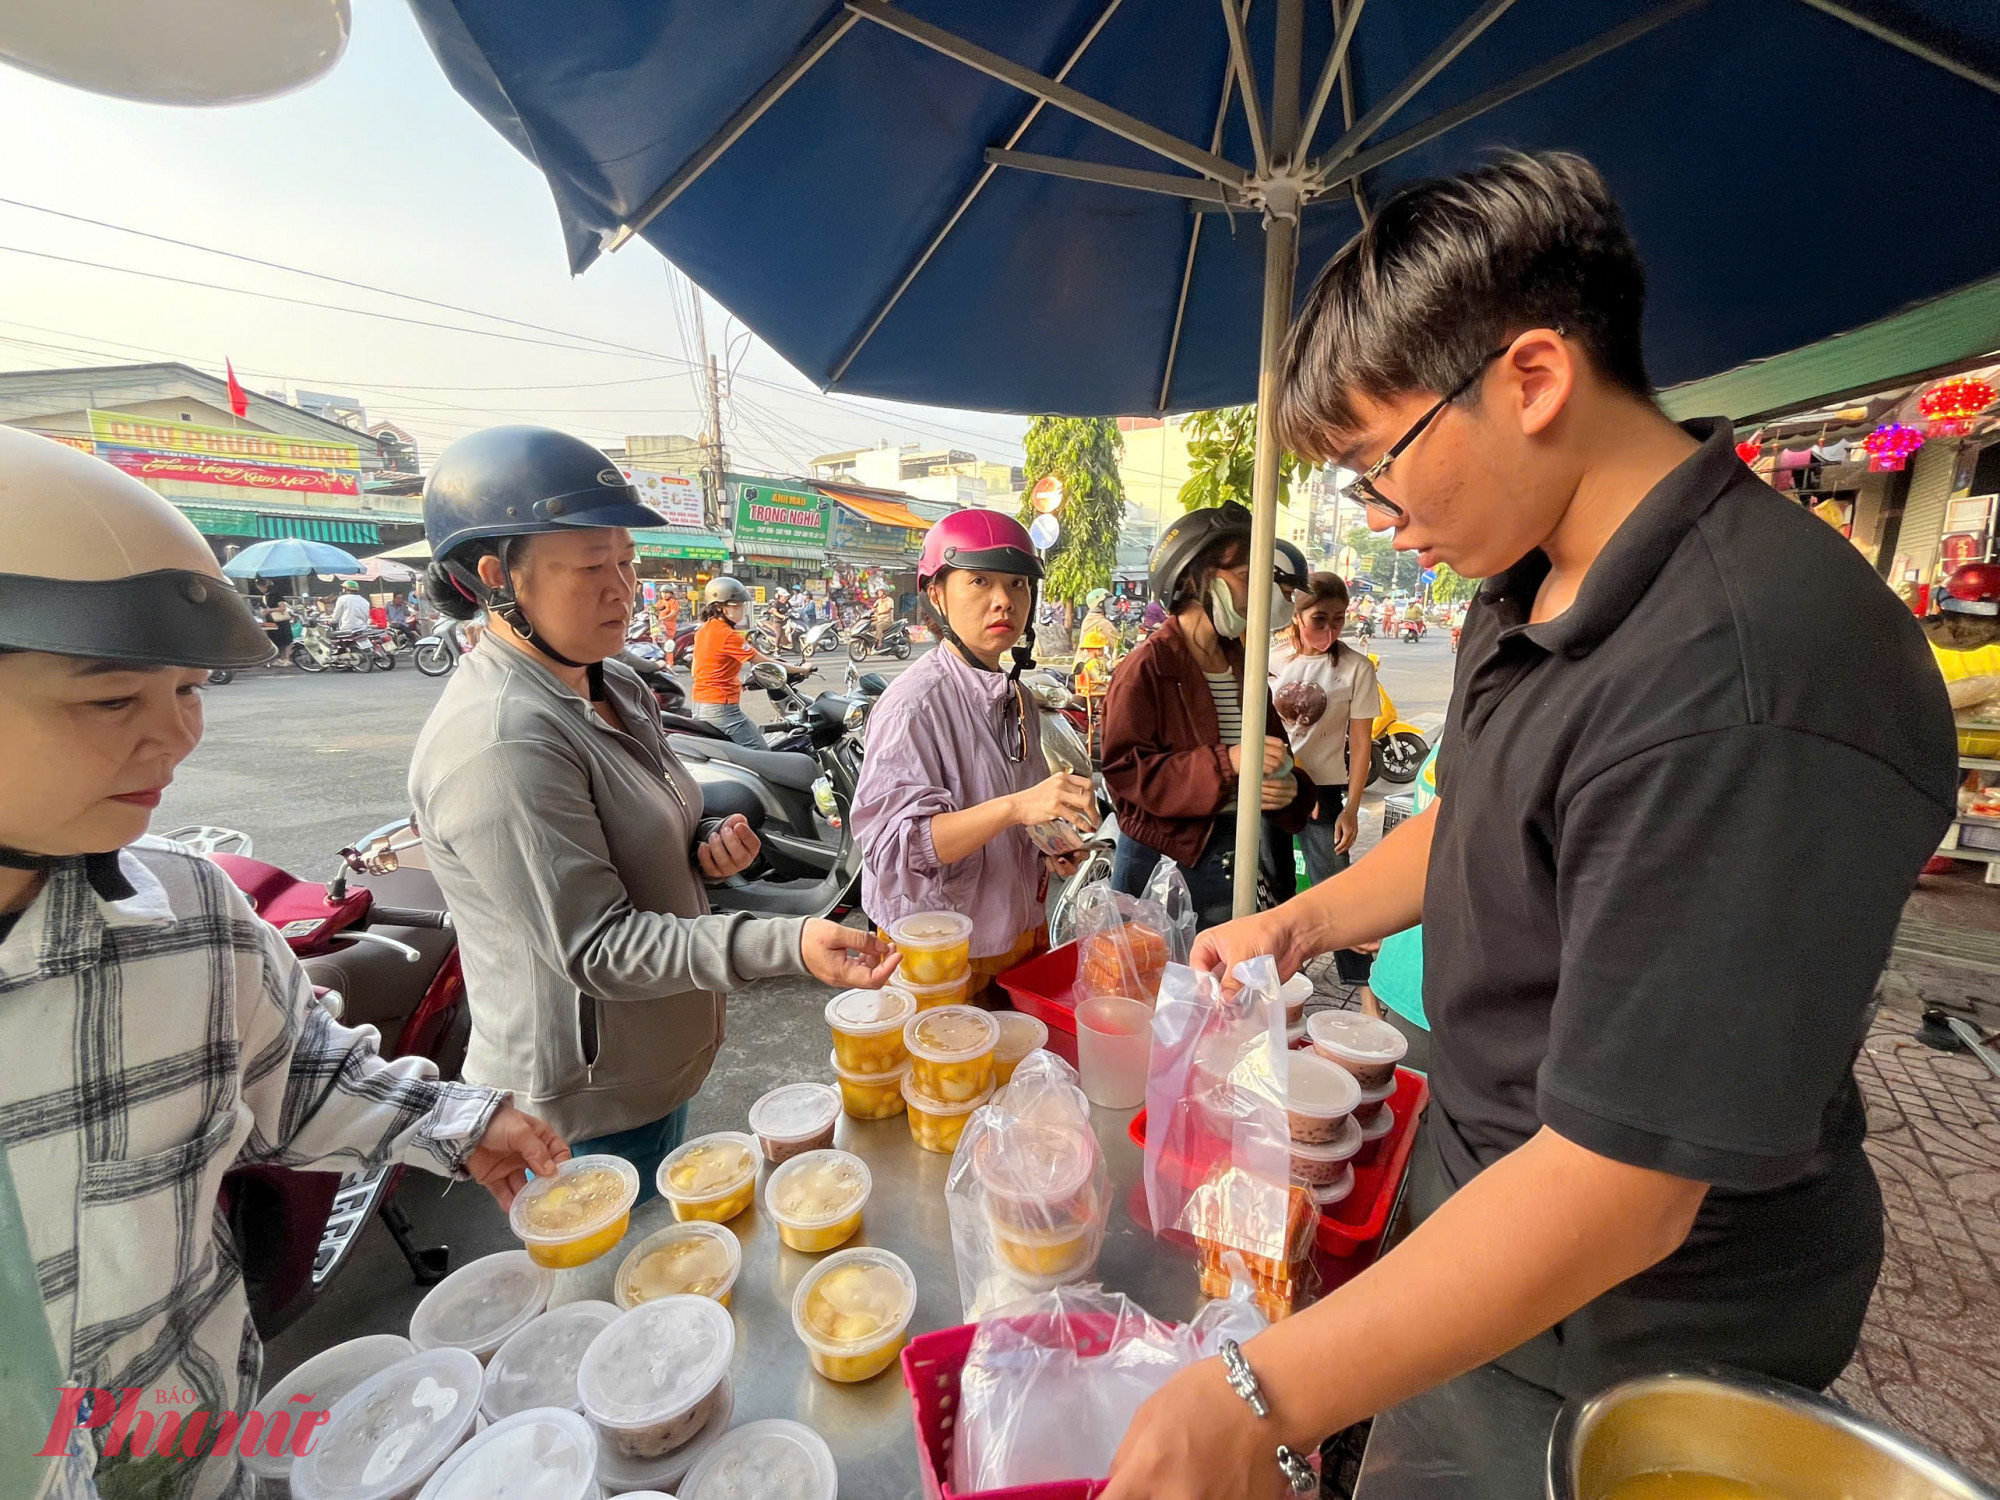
(1047,495)
(1428,576)
(1044,532)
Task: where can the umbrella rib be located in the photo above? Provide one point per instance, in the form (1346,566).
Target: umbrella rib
(1334,71)
(1446,53)
(1910,45)
(1351,169)
(1063,97)
(1246,80)
(965,203)
(1172,184)
(799,64)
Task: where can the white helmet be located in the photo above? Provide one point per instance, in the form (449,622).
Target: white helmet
(94,564)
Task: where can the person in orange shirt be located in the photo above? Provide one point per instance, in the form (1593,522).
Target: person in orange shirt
(720,655)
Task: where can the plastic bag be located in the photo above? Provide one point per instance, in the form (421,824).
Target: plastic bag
(1167,888)
(1028,1193)
(1052,1383)
(1218,1163)
(1121,944)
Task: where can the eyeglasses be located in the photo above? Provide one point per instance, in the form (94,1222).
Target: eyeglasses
(1364,482)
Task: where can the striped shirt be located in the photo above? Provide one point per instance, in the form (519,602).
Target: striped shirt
(160,1034)
(1229,715)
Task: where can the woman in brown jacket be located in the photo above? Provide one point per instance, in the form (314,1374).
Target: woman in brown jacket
(1173,720)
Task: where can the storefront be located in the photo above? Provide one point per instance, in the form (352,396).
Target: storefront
(875,543)
(781,531)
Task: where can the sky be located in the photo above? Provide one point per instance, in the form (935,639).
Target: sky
(378,174)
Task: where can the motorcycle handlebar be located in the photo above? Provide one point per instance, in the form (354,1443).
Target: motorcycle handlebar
(408,916)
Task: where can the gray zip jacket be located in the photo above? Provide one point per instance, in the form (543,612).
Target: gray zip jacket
(594,970)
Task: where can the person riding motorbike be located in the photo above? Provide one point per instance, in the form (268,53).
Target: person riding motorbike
(1173,718)
(720,653)
(955,775)
(569,841)
(350,610)
(158,1033)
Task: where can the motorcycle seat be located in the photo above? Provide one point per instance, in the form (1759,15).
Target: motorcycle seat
(780,767)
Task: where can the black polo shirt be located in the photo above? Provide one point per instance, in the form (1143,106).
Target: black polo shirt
(1677,825)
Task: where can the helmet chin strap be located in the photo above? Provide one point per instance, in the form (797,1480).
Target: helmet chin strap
(21,859)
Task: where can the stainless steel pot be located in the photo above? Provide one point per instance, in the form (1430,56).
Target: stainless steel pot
(1797,1445)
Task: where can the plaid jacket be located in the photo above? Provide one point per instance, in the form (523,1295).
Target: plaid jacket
(155,1033)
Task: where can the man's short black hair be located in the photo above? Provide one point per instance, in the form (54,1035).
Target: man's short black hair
(1448,271)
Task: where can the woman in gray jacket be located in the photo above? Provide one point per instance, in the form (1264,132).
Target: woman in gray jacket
(562,830)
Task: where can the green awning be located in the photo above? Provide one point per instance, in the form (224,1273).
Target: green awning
(1918,342)
(761,551)
(211,520)
(661,541)
(351,533)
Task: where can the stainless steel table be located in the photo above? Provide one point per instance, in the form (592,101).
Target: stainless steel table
(868,1425)
(1483,1436)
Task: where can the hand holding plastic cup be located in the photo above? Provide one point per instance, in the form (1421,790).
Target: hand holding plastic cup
(1114,1045)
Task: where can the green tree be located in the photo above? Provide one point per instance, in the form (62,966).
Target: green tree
(1380,561)
(1083,453)
(1449,587)
(1222,459)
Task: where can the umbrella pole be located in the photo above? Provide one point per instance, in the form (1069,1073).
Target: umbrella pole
(1281,253)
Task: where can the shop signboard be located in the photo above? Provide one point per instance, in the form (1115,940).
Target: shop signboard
(194,468)
(222,442)
(854,535)
(1960,548)
(786,517)
(674,496)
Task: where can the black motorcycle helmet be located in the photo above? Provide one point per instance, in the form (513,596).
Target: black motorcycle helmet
(1199,530)
(491,488)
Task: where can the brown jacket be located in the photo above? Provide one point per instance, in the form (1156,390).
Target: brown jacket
(1164,759)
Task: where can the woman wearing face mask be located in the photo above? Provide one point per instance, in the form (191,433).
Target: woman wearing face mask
(1173,756)
(955,774)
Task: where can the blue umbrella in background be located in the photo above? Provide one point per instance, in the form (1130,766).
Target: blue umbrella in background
(290,557)
(1107,206)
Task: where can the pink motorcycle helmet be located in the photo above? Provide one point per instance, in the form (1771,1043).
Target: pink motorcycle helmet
(982,539)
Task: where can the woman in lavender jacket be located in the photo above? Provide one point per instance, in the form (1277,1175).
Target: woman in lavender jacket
(954,775)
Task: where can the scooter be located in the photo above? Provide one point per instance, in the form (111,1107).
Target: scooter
(1399,746)
(438,653)
(822,639)
(318,648)
(894,641)
(1411,632)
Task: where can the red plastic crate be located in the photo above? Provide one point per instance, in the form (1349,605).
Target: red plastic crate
(1358,1220)
(1041,988)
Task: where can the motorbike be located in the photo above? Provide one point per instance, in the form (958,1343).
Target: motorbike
(1399,746)
(319,649)
(822,639)
(1364,629)
(893,641)
(438,653)
(1411,631)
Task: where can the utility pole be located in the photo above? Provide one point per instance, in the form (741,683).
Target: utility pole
(713,465)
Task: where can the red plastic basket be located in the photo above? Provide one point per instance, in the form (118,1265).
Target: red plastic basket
(1358,1220)
(1041,988)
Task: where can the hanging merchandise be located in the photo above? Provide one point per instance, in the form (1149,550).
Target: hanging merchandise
(1950,405)
(1890,446)
(1833,453)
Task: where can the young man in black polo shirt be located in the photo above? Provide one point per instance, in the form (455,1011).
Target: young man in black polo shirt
(1696,756)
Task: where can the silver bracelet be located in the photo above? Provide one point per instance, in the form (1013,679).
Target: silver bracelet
(1243,1380)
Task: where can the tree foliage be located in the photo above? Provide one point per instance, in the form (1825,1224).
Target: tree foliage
(1083,453)
(1391,570)
(1449,587)
(1222,459)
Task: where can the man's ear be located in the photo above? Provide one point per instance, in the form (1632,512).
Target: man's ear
(491,573)
(1538,373)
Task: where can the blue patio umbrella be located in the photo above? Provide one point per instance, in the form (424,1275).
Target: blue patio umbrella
(1110,206)
(290,557)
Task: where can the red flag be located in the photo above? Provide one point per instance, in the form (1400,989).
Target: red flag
(239,399)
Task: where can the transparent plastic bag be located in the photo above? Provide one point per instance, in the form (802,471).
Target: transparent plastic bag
(1218,1164)
(1167,889)
(1052,1382)
(1121,944)
(1028,1193)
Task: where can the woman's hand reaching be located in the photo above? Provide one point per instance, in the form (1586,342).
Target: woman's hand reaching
(848,958)
(1062,796)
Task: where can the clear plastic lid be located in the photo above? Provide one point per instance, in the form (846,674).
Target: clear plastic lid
(928,931)
(1337,1191)
(384,1437)
(951,1033)
(817,1188)
(685,1259)
(481,1304)
(657,1362)
(1340,1148)
(587,1193)
(870,1012)
(532,1455)
(919,993)
(1353,1035)
(538,1365)
(1316,1087)
(1380,1092)
(923,1103)
(1034,1159)
(854,1301)
(768,1460)
(619,1474)
(878,1080)
(1381,1125)
(795,1112)
(709,1167)
(326,1377)
(1019,1034)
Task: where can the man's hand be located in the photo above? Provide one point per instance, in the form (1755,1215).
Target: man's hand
(846,957)
(515,1144)
(1280,792)
(1277,932)
(729,850)
(1196,1439)
(1347,828)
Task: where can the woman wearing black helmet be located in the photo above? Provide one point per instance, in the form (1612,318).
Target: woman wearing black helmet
(1173,718)
(564,833)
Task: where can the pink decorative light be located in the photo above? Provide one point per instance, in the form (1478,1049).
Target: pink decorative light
(1890,445)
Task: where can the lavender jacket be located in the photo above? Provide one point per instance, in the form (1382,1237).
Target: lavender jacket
(934,747)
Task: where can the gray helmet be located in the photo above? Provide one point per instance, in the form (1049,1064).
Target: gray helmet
(724,590)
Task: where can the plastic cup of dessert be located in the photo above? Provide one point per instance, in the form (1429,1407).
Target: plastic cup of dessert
(323,1379)
(538,1365)
(951,1052)
(691,1259)
(935,1124)
(936,946)
(930,996)
(1336,1191)
(712,1177)
(817,1199)
(1064,1253)
(1320,1165)
(1114,1049)
(1019,1035)
(546,1453)
(867,1028)
(794,1118)
(651,1381)
(1373,1111)
(1295,992)
(629,1477)
(482,1304)
(1038,1176)
(577,1215)
(852,1310)
(871,1096)
(389,1434)
(772,1460)
(1368,1048)
(1320,1096)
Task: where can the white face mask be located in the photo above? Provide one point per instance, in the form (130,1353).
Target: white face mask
(1230,622)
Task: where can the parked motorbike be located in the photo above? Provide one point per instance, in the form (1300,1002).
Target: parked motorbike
(1399,746)
(438,653)
(893,641)
(822,639)
(320,649)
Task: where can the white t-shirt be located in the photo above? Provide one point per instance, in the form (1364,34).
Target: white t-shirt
(1345,680)
(350,612)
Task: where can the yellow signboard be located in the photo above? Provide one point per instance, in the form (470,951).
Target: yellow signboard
(224,442)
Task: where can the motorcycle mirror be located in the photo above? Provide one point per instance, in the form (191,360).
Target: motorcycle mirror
(768,675)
